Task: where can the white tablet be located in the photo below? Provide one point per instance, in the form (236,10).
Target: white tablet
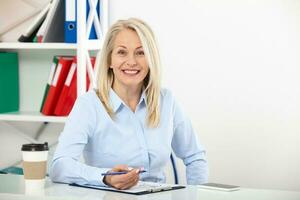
(218,186)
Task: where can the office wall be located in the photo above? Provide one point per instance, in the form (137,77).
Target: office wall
(235,67)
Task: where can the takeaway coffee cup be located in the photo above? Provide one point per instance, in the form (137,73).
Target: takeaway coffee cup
(34,165)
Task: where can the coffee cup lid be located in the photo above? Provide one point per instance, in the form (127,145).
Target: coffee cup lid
(35,147)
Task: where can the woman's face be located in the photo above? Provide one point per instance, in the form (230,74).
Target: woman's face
(128,60)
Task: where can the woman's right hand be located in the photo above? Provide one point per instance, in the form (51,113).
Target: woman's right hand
(123,181)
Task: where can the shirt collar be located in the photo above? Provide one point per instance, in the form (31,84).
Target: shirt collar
(116,101)
(143,98)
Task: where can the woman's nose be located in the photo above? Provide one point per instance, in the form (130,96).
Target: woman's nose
(131,61)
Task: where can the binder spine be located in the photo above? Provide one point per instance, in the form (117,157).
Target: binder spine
(70,21)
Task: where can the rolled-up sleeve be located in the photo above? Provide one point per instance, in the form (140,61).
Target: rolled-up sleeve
(66,166)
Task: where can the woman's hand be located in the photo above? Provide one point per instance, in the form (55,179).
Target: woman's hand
(123,181)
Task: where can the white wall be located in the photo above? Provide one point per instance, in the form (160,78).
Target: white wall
(235,67)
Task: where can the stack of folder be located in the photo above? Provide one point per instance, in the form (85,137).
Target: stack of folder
(61,89)
(16,16)
(57,22)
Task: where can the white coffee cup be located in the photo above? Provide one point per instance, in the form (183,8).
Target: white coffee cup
(34,165)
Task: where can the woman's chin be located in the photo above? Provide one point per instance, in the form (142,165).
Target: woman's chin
(132,83)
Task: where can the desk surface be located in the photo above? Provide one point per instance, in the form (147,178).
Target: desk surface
(12,188)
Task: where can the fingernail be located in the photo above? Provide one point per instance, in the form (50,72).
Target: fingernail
(130,168)
(137,171)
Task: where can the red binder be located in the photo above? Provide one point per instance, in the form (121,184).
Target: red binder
(60,76)
(51,75)
(69,92)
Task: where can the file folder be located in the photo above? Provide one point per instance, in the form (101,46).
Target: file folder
(46,23)
(69,92)
(70,21)
(13,13)
(32,30)
(61,73)
(50,78)
(54,31)
(9,82)
(70,26)
(16,16)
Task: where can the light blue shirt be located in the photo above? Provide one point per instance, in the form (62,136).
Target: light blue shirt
(104,142)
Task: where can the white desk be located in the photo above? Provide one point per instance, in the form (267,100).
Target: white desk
(12,188)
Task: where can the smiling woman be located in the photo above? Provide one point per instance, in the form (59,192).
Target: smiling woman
(140,41)
(129,65)
(129,124)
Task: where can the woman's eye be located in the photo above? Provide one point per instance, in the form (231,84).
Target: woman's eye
(121,52)
(140,53)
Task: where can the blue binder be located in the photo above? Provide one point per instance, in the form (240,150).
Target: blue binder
(71,21)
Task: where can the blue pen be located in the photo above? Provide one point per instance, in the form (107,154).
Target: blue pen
(119,173)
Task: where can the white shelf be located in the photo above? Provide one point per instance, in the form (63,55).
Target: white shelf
(31,117)
(21,45)
(91,45)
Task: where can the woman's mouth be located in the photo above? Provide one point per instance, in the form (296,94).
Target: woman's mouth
(131,71)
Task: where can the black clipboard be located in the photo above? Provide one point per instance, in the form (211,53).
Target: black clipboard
(165,187)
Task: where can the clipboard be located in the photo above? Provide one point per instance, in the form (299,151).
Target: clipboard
(140,189)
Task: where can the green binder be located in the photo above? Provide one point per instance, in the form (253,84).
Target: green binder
(9,82)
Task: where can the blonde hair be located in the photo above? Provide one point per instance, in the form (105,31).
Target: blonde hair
(152,80)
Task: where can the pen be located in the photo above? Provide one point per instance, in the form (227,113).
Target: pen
(119,173)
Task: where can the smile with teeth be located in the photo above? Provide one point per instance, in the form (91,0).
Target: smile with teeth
(131,71)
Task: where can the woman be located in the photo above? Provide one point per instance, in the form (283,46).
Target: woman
(129,123)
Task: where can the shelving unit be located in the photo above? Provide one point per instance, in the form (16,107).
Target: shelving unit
(35,60)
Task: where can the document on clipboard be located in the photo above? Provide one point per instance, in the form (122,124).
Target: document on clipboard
(139,189)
